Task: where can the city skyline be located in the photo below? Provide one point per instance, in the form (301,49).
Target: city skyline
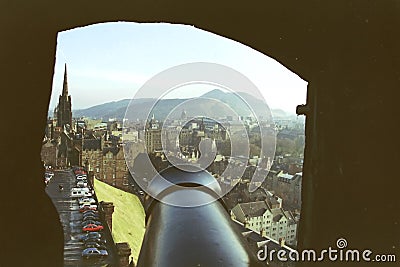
(111,61)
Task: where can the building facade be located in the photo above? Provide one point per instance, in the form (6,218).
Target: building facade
(107,163)
(153,136)
(268,218)
(286,186)
(63,111)
(49,153)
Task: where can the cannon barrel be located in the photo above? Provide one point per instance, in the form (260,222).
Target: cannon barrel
(187,226)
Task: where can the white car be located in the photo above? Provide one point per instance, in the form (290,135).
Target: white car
(86,200)
(90,206)
(80,189)
(81,184)
(80,194)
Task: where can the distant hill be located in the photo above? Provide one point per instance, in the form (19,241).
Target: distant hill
(117,109)
(106,110)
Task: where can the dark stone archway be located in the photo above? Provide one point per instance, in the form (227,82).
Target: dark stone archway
(346,50)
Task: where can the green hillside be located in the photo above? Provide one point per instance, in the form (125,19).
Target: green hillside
(117,109)
(128,217)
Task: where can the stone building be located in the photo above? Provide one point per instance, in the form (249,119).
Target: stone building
(268,218)
(115,171)
(92,156)
(286,186)
(63,111)
(153,136)
(107,163)
(49,153)
(60,133)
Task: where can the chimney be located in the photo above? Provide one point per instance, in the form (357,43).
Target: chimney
(108,209)
(263,232)
(123,251)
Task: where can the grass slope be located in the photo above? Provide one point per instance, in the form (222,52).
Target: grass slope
(128,218)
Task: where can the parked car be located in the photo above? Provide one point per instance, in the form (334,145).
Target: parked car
(90,218)
(79,189)
(98,245)
(79,172)
(97,240)
(81,184)
(82,208)
(92,228)
(95,235)
(90,212)
(87,203)
(101,246)
(94,244)
(80,194)
(88,221)
(87,208)
(85,200)
(94,253)
(81,178)
(92,239)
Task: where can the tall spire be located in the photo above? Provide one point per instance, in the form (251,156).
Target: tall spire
(65,85)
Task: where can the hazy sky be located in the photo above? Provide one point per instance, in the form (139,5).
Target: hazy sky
(111,61)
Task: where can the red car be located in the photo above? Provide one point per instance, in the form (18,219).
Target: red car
(92,228)
(79,172)
(88,207)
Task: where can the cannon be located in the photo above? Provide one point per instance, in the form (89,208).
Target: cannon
(187,224)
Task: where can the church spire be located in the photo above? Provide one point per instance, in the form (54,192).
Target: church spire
(65,85)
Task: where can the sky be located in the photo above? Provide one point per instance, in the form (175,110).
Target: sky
(111,61)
